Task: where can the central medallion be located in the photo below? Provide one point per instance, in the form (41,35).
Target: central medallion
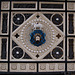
(37,37)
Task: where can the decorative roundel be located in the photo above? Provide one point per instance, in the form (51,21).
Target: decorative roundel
(18,19)
(17,52)
(57,52)
(57,19)
(37,37)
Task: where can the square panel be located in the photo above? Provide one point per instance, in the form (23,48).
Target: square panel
(71,6)
(5,5)
(33,36)
(3,67)
(37,51)
(37,36)
(71,66)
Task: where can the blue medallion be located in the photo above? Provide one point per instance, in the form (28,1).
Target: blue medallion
(37,37)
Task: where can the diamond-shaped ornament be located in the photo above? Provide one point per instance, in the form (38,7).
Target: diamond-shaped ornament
(51,36)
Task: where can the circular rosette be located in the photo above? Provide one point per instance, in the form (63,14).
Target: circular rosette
(57,53)
(18,19)
(17,53)
(57,19)
(37,37)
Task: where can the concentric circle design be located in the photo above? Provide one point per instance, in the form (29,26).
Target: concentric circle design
(17,52)
(57,19)
(18,19)
(57,52)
